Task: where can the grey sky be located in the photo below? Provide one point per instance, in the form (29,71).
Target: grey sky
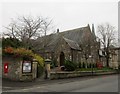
(65,15)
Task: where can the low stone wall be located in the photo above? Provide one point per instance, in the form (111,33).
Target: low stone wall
(15,70)
(60,75)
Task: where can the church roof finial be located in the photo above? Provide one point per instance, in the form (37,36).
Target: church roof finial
(93,30)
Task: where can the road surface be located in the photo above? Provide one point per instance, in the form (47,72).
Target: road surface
(108,83)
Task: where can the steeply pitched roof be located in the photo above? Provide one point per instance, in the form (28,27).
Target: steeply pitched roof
(72,44)
(73,37)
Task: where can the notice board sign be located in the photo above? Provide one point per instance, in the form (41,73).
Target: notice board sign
(26,67)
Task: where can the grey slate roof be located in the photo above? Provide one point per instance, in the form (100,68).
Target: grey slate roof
(73,37)
(72,44)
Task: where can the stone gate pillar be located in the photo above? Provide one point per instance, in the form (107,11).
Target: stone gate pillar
(47,68)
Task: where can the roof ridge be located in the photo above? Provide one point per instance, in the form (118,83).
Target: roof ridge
(69,30)
(73,29)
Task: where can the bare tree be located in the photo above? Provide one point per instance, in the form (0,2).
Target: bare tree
(107,37)
(86,46)
(27,28)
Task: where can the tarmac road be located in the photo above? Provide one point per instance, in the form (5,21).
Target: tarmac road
(106,83)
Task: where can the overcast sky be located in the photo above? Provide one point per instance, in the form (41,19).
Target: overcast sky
(65,15)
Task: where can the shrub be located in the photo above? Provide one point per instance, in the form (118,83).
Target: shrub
(52,66)
(53,63)
(39,59)
(79,65)
(40,66)
(69,65)
(18,52)
(83,65)
(88,65)
(8,50)
(12,42)
(95,65)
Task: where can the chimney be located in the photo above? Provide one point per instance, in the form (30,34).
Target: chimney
(58,30)
(93,30)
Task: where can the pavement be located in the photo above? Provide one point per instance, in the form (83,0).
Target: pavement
(104,83)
